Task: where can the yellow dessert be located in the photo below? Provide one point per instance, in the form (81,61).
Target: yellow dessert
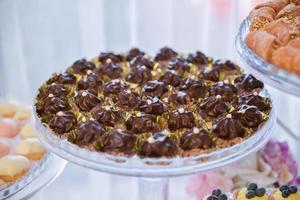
(13,167)
(246,194)
(287,193)
(30,148)
(27,131)
(8,109)
(23,113)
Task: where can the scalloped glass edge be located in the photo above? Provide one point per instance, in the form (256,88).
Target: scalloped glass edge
(155,167)
(32,175)
(270,73)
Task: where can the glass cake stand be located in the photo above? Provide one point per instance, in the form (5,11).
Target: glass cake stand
(269,73)
(154,173)
(39,177)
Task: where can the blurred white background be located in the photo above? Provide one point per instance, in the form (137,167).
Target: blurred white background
(39,37)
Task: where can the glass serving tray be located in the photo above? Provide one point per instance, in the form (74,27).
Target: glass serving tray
(269,73)
(158,167)
(26,179)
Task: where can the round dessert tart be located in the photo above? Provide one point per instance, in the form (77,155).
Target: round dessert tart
(252,191)
(167,115)
(167,106)
(286,192)
(216,194)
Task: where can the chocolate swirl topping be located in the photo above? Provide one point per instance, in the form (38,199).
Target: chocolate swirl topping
(228,128)
(158,145)
(198,58)
(113,70)
(141,123)
(152,106)
(154,88)
(134,52)
(121,141)
(109,57)
(56,90)
(63,122)
(139,74)
(86,99)
(248,82)
(54,105)
(214,106)
(195,138)
(141,60)
(91,81)
(172,77)
(114,87)
(82,66)
(89,131)
(181,118)
(179,65)
(250,116)
(66,78)
(165,54)
(107,116)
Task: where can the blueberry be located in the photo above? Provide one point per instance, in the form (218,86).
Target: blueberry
(284,187)
(276,184)
(285,193)
(260,192)
(250,194)
(223,197)
(210,198)
(252,186)
(215,197)
(217,192)
(293,189)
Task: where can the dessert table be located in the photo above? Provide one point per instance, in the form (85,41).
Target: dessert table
(40,37)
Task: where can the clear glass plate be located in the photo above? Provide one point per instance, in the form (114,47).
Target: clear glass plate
(149,167)
(38,177)
(269,73)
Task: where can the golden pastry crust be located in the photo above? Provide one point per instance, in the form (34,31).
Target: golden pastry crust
(296,2)
(289,12)
(295,43)
(260,17)
(277,5)
(288,58)
(261,42)
(282,30)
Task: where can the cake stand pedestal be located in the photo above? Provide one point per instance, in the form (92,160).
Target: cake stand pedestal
(154,174)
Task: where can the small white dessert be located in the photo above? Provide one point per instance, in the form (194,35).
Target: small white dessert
(8,109)
(23,113)
(30,148)
(27,131)
(13,167)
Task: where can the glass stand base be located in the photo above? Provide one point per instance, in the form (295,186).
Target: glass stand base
(153,188)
